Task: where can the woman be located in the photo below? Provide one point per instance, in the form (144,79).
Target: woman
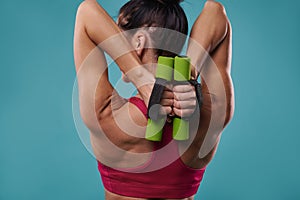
(128,166)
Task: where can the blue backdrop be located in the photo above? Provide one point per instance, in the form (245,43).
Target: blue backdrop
(42,157)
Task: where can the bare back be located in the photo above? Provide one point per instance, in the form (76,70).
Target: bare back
(121,124)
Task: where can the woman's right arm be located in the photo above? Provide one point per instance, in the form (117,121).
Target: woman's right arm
(94,27)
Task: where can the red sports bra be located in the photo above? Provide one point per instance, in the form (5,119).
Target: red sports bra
(173,181)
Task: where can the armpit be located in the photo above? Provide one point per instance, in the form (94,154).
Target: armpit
(117,101)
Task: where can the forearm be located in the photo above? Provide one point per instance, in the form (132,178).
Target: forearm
(104,32)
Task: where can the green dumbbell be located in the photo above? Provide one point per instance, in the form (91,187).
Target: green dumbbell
(164,71)
(182,73)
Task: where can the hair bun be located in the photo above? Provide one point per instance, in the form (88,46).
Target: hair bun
(169,1)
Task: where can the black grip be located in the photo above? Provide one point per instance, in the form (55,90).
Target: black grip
(155,98)
(198,90)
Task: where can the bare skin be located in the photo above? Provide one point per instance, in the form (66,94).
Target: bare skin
(93,25)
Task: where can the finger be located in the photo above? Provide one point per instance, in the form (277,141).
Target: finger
(167,102)
(168,94)
(184,112)
(165,110)
(185,104)
(183,88)
(184,96)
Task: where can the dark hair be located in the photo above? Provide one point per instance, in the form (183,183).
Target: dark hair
(156,13)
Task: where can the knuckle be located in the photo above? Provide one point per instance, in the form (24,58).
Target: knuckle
(177,111)
(194,103)
(176,97)
(170,102)
(165,110)
(177,104)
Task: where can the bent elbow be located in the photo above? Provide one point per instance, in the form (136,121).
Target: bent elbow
(215,7)
(219,21)
(84,8)
(81,9)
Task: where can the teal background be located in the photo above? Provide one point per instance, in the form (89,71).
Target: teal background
(42,157)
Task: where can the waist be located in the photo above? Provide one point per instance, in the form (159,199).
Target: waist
(110,195)
(173,181)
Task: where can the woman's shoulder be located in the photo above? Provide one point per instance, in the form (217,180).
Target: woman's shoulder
(135,110)
(126,112)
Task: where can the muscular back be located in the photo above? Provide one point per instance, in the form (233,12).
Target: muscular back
(114,122)
(125,126)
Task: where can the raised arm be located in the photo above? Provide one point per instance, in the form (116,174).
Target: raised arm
(209,30)
(212,31)
(94,27)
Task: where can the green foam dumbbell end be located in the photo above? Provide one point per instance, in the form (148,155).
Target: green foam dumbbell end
(181,129)
(164,70)
(182,69)
(154,129)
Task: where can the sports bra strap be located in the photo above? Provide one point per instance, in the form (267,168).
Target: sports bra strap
(140,104)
